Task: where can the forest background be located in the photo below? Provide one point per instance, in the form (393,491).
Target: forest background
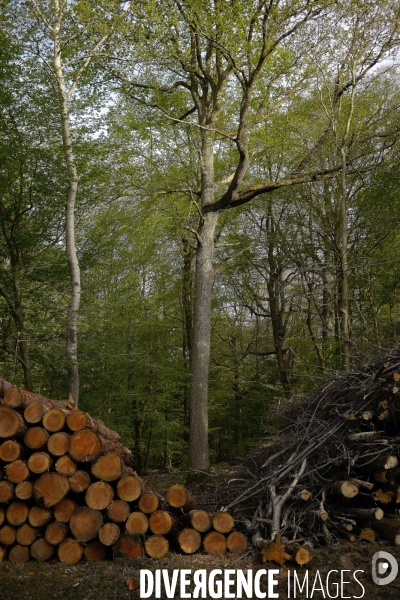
(230,163)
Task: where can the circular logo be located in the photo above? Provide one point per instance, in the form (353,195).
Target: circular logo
(381,561)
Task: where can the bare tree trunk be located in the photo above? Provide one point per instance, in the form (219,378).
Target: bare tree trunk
(344,281)
(73,264)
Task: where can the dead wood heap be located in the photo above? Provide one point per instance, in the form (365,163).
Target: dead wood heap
(67,491)
(333,473)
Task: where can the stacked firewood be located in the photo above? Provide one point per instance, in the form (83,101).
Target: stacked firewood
(67,491)
(333,472)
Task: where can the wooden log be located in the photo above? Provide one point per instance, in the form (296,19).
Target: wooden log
(129,488)
(345,489)
(85,446)
(56,533)
(364,436)
(11,423)
(137,523)
(363,484)
(2,554)
(79,482)
(200,520)
(380,476)
(54,420)
(65,466)
(320,514)
(17,471)
(58,443)
(365,533)
(128,546)
(387,529)
(19,554)
(70,552)
(148,503)
(214,543)
(108,467)
(223,522)
(36,438)
(7,535)
(85,523)
(385,497)
(304,495)
(20,397)
(365,514)
(162,522)
(33,413)
(26,534)
(118,511)
(384,461)
(156,546)
(189,540)
(50,488)
(94,551)
(236,542)
(79,420)
(38,516)
(64,510)
(178,496)
(109,534)
(6,491)
(302,556)
(39,462)
(17,513)
(10,450)
(2,515)
(99,495)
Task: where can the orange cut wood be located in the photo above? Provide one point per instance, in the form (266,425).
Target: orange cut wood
(19,554)
(129,488)
(107,467)
(64,510)
(24,490)
(99,495)
(6,491)
(39,516)
(12,397)
(7,535)
(70,552)
(26,535)
(39,462)
(58,443)
(85,446)
(129,546)
(36,438)
(200,520)
(33,413)
(17,513)
(161,522)
(56,533)
(156,546)
(109,534)
(54,420)
(10,450)
(42,550)
(236,542)
(50,488)
(79,420)
(17,471)
(65,466)
(178,497)
(11,423)
(223,522)
(148,503)
(118,511)
(2,515)
(79,481)
(189,540)
(137,523)
(2,554)
(85,523)
(214,543)
(95,550)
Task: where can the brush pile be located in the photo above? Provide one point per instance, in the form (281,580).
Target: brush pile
(67,490)
(332,473)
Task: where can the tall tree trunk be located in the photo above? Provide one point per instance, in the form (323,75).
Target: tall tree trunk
(344,281)
(73,263)
(187,306)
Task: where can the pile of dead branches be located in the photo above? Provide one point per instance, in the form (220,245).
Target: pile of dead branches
(333,471)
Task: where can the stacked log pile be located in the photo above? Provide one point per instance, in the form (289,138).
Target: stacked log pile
(67,490)
(333,473)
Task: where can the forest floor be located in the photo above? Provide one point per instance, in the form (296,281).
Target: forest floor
(111,579)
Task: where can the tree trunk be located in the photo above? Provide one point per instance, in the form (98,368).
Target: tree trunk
(344,280)
(73,263)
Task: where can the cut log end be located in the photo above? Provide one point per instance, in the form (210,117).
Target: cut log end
(137,523)
(42,550)
(129,489)
(94,551)
(223,522)
(200,520)
(85,523)
(99,495)
(236,542)
(50,488)
(19,554)
(156,546)
(70,552)
(129,546)
(109,534)
(118,511)
(189,540)
(214,543)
